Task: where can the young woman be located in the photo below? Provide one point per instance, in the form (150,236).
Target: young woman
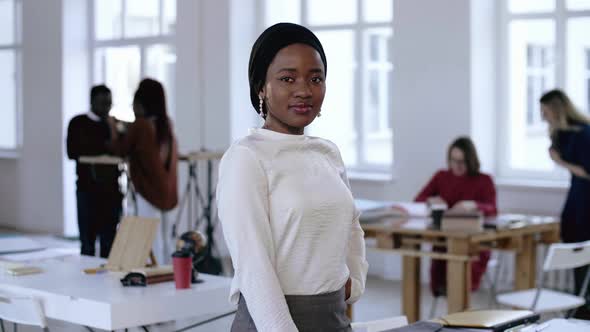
(570,148)
(287,212)
(462,187)
(152,151)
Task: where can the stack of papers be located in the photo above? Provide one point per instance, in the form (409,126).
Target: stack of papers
(375,210)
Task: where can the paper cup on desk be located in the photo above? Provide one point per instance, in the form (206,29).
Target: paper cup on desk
(436,213)
(182,264)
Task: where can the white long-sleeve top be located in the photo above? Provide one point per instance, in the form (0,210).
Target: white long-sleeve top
(290,223)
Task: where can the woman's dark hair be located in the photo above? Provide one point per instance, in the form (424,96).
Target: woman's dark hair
(150,95)
(465,144)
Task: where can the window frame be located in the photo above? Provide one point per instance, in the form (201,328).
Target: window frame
(359,29)
(16,47)
(588,79)
(560,16)
(142,43)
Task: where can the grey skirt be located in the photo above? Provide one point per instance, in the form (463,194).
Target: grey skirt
(311,313)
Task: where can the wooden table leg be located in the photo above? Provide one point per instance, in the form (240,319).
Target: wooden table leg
(411,287)
(458,276)
(525,264)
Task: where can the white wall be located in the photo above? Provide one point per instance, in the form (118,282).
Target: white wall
(188,123)
(431,97)
(31,185)
(243,33)
(75,96)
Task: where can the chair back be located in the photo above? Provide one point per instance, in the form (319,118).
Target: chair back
(22,310)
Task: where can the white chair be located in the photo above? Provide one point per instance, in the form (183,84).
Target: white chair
(22,310)
(380,325)
(541,300)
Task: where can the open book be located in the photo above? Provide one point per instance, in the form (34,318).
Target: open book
(492,320)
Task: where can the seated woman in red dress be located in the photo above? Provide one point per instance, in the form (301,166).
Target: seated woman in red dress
(462,187)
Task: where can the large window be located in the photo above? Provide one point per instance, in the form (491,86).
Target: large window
(133,39)
(357,38)
(9,75)
(546,46)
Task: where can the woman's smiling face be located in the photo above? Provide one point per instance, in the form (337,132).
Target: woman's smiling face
(294,89)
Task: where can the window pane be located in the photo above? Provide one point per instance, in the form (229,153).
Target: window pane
(6,21)
(578,62)
(142,18)
(531,72)
(531,6)
(377,129)
(578,4)
(161,65)
(282,11)
(119,69)
(378,10)
(107,19)
(337,121)
(327,12)
(8,96)
(169,17)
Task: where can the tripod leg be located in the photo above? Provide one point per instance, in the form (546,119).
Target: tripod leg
(181,208)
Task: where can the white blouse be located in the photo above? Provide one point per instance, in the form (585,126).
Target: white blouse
(290,223)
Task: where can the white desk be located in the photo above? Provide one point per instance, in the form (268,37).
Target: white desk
(101,301)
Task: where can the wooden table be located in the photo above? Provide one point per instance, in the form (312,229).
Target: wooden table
(406,235)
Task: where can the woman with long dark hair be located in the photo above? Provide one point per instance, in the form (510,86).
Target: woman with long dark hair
(570,148)
(462,187)
(151,148)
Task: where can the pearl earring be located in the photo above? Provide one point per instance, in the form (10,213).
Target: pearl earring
(260,108)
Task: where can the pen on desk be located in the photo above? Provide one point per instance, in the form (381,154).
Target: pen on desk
(96,270)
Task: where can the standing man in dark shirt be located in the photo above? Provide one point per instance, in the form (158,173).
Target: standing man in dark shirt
(98,193)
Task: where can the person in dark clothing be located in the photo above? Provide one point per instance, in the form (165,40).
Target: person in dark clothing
(570,148)
(98,194)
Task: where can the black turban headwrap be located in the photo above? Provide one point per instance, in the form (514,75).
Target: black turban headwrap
(268,44)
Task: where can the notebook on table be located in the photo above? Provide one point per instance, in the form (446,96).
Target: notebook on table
(489,320)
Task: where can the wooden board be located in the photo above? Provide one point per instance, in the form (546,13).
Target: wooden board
(101,160)
(133,243)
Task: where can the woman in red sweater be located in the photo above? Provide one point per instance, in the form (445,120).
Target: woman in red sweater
(462,187)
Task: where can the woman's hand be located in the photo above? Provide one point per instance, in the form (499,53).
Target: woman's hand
(348,289)
(555,156)
(465,206)
(576,170)
(436,200)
